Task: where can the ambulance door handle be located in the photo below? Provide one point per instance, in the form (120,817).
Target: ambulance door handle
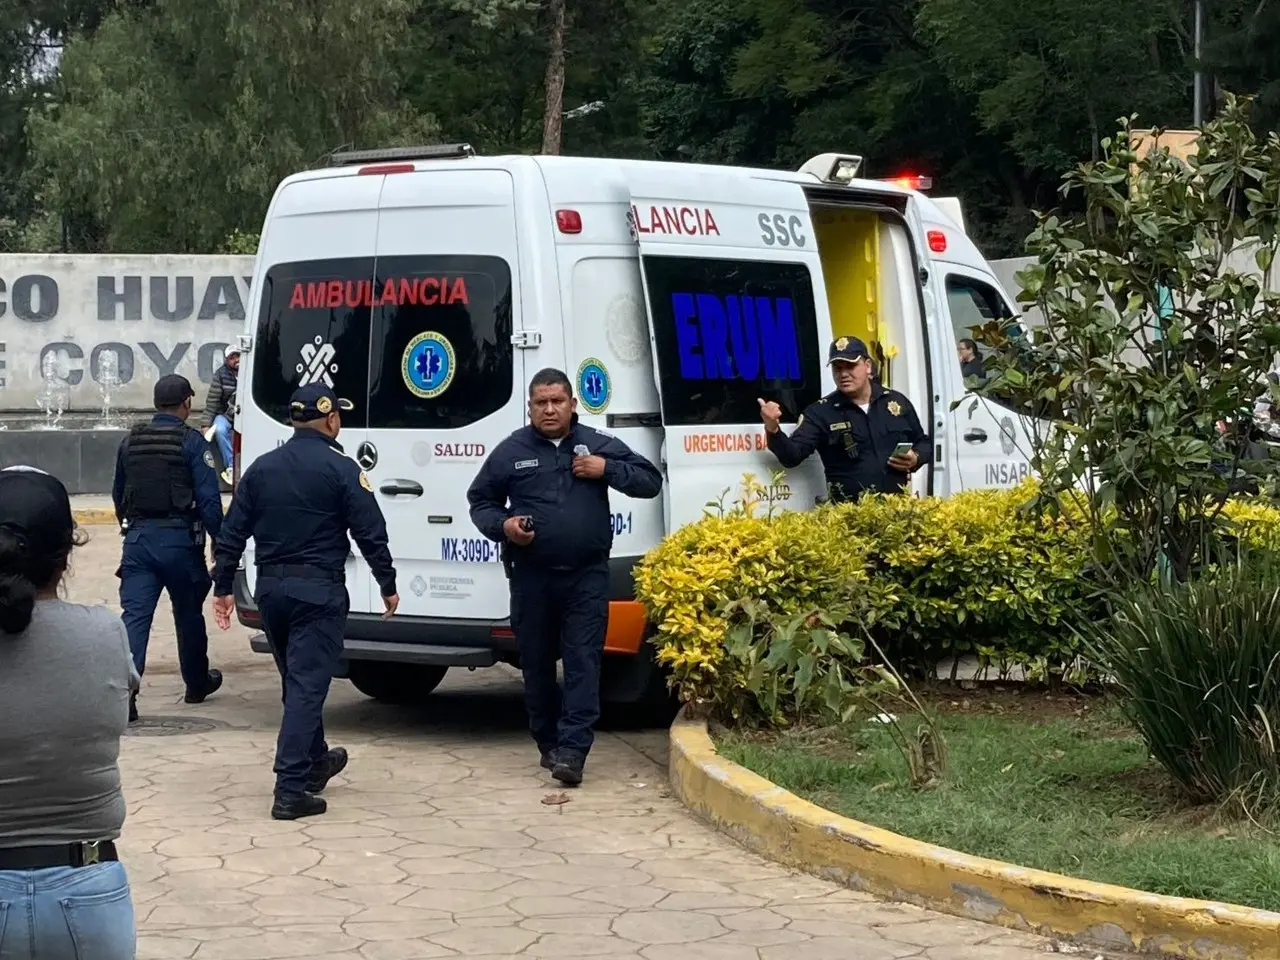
(401,488)
(976,436)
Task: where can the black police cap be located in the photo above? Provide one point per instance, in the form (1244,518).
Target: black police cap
(172,390)
(313,401)
(847,350)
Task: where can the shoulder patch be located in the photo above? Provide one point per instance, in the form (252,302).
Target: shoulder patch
(364,481)
(208,459)
(895,408)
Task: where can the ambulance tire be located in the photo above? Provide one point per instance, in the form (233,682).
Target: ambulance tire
(397,683)
(634,692)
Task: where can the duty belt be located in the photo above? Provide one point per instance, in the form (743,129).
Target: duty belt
(58,855)
(300,571)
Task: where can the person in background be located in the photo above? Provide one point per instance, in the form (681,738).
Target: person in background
(855,430)
(971,365)
(544,495)
(298,502)
(65,679)
(167,500)
(219,407)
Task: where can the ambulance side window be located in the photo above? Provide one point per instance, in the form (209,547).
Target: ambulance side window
(313,326)
(974,303)
(441,355)
(728,332)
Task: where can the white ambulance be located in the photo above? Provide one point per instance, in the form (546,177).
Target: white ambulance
(428,285)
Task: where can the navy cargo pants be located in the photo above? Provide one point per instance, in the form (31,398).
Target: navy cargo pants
(304,620)
(561,614)
(161,555)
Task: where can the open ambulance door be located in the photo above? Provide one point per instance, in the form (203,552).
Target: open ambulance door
(733,294)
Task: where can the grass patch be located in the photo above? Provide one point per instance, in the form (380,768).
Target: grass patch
(1057,782)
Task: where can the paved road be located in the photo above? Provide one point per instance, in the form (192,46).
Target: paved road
(439,842)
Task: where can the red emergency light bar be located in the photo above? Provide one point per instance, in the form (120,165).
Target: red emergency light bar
(911,182)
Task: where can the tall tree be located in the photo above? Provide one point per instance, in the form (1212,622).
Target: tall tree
(174,123)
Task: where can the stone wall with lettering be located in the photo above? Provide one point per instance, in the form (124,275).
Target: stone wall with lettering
(69,323)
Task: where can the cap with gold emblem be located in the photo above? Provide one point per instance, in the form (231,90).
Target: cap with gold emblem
(846,350)
(314,401)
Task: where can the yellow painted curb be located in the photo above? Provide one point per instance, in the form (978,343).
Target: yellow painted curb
(777,824)
(92,516)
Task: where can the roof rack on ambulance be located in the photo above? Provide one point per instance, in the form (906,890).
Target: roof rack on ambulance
(429,151)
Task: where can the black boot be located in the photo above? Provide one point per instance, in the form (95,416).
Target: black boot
(211,686)
(326,768)
(296,806)
(567,767)
(548,759)
(133,708)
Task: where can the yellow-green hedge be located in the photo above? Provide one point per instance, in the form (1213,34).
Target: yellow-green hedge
(977,573)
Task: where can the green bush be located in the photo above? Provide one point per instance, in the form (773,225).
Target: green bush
(1200,665)
(770,614)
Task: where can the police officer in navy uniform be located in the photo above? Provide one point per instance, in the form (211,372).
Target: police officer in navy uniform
(167,500)
(855,429)
(298,502)
(544,494)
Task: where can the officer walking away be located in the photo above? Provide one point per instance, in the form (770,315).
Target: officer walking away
(219,406)
(298,502)
(856,430)
(544,494)
(167,500)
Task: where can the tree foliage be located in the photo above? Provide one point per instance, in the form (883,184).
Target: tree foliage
(1161,326)
(170,121)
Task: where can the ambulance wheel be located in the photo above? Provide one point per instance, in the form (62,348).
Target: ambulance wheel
(399,683)
(634,693)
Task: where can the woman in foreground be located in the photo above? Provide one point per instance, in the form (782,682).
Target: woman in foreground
(65,680)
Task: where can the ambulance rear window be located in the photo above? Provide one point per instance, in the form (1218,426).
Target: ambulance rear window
(441,355)
(412,342)
(729,332)
(313,326)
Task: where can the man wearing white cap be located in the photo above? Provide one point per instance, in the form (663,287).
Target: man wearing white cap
(219,407)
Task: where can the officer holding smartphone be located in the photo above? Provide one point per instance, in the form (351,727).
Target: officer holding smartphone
(869,438)
(544,495)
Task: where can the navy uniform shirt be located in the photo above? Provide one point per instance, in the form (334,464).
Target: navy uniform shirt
(204,479)
(529,475)
(855,446)
(297,502)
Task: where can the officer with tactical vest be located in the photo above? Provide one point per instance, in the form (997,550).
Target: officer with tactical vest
(868,438)
(167,500)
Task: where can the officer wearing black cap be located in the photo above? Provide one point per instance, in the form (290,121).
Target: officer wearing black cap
(166,498)
(855,429)
(298,502)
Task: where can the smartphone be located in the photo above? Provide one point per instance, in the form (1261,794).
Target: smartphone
(901,450)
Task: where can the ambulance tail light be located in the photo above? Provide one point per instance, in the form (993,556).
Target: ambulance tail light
(379,169)
(937,241)
(502,633)
(568,221)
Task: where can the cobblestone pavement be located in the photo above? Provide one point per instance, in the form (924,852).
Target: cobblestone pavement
(441,839)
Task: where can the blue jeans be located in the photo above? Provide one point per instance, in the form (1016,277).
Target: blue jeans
(67,913)
(222,436)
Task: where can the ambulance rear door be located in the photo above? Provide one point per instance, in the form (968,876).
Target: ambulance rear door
(733,291)
(445,379)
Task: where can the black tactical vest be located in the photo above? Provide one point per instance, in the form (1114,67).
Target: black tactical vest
(157,480)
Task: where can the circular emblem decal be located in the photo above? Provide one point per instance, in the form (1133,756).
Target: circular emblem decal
(428,365)
(594,388)
(323,405)
(1008,436)
(208,459)
(367,455)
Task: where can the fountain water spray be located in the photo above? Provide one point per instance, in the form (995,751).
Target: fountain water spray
(55,391)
